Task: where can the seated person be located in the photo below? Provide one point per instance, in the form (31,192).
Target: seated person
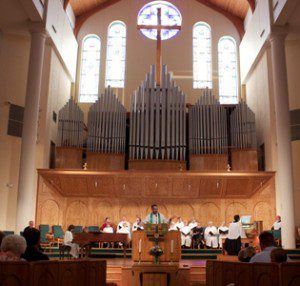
(211,236)
(68,240)
(124,227)
(277,224)
(223,233)
(172,223)
(186,237)
(105,223)
(12,247)
(198,236)
(267,244)
(246,254)
(33,253)
(179,224)
(278,255)
(193,223)
(233,242)
(138,225)
(108,228)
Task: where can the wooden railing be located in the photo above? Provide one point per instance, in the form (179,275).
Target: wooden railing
(247,274)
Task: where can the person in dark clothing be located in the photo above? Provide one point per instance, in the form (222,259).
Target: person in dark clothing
(32,252)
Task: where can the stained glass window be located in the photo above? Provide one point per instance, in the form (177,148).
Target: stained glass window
(170,16)
(90,69)
(116,55)
(228,81)
(202,70)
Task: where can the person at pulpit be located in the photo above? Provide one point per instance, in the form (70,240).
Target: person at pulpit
(233,241)
(138,225)
(277,224)
(155,217)
(186,236)
(211,236)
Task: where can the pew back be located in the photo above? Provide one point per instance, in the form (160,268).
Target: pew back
(219,273)
(53,273)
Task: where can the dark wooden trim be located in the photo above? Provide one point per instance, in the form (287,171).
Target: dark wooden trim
(252,4)
(237,21)
(83,17)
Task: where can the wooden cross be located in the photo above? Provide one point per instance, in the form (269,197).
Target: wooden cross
(158,27)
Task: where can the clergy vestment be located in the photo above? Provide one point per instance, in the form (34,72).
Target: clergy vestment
(186,237)
(68,238)
(223,233)
(233,242)
(211,236)
(179,225)
(124,227)
(155,218)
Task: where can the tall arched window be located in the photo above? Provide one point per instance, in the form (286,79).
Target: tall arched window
(228,81)
(202,62)
(90,69)
(116,55)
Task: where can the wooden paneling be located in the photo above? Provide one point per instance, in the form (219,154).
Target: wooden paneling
(163,165)
(14,274)
(209,162)
(105,162)
(187,194)
(244,160)
(68,158)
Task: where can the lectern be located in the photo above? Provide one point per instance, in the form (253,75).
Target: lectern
(168,241)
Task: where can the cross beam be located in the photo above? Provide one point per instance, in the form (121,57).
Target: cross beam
(159,27)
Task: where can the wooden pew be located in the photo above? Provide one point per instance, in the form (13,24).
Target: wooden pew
(219,273)
(53,273)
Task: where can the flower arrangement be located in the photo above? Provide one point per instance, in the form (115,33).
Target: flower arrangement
(156,251)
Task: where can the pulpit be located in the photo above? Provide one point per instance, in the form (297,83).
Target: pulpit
(156,234)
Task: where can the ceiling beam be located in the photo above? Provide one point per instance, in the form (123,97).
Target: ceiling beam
(252,5)
(237,21)
(66,3)
(83,17)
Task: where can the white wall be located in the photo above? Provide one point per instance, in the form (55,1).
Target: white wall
(177,52)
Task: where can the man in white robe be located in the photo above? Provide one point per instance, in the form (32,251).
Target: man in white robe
(186,236)
(179,224)
(193,223)
(124,227)
(211,236)
(223,233)
(155,217)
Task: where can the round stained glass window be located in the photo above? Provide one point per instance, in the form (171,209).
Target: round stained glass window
(170,16)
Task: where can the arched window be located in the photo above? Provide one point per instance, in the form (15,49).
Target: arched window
(90,69)
(116,55)
(228,81)
(202,62)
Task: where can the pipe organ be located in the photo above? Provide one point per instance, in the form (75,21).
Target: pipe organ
(208,126)
(158,120)
(70,125)
(107,125)
(243,132)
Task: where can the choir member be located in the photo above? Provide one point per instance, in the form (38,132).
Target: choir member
(198,236)
(233,241)
(179,223)
(186,237)
(211,236)
(223,233)
(277,223)
(105,223)
(124,227)
(68,238)
(138,225)
(155,217)
(193,223)
(172,223)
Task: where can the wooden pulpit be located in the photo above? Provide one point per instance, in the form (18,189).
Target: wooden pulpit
(143,241)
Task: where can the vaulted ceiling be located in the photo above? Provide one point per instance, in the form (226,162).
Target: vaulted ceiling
(235,10)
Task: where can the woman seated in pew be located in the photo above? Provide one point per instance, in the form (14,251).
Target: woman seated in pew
(138,225)
(68,240)
(12,247)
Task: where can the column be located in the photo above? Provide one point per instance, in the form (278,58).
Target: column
(26,202)
(284,172)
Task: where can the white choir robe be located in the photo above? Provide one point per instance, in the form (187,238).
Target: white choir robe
(276,225)
(186,237)
(173,226)
(179,225)
(222,236)
(108,229)
(193,224)
(68,238)
(236,230)
(136,227)
(124,227)
(211,240)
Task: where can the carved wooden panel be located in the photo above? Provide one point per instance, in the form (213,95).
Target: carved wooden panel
(237,188)
(263,212)
(50,212)
(130,210)
(244,160)
(105,162)
(209,162)
(166,165)
(14,274)
(210,188)
(209,212)
(68,158)
(74,185)
(133,187)
(103,186)
(77,213)
(185,187)
(101,210)
(234,209)
(161,186)
(45,273)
